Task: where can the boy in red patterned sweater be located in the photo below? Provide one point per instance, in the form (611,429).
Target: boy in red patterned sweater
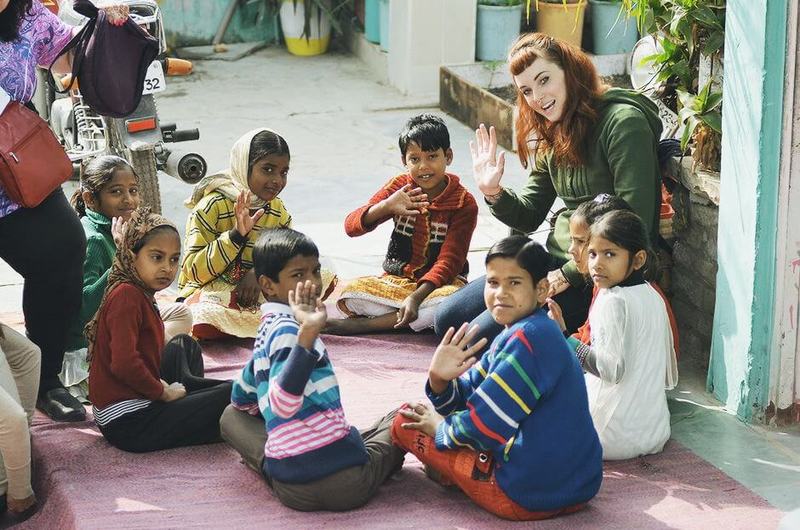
(434,217)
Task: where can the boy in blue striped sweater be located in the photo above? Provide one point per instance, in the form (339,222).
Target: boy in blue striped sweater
(286,417)
(513,429)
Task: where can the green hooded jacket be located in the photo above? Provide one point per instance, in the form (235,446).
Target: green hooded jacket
(621,160)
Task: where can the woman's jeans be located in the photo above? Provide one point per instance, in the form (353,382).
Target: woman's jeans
(467,305)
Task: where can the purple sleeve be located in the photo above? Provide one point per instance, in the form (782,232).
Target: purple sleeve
(50,35)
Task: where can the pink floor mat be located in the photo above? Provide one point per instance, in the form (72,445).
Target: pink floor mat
(84,483)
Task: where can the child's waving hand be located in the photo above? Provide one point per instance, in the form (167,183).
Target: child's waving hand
(453,356)
(244,221)
(308,308)
(407,201)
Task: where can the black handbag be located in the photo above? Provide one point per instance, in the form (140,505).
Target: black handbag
(110,62)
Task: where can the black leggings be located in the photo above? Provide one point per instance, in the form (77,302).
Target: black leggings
(46,246)
(191,420)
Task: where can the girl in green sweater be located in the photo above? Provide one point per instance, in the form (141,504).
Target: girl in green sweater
(108,195)
(581,138)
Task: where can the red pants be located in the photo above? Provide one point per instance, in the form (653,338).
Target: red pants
(472,472)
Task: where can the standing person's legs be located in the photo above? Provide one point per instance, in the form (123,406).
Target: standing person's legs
(15,440)
(24,360)
(354,486)
(47,246)
(191,420)
(245,433)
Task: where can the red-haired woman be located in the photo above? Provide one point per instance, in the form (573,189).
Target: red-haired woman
(581,138)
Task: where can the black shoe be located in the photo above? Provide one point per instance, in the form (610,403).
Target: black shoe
(60,405)
(3,504)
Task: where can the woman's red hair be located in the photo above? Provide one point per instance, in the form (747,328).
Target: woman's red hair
(568,137)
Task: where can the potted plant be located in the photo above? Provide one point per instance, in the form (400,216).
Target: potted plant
(307,24)
(497,25)
(562,19)
(701,119)
(690,36)
(613,30)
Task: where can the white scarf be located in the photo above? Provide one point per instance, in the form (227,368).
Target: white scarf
(233,180)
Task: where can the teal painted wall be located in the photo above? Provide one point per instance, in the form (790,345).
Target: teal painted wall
(755,50)
(195,22)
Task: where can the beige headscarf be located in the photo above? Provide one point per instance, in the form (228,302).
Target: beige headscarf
(123,269)
(232,180)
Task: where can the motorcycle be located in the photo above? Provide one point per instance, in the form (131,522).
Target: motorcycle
(85,134)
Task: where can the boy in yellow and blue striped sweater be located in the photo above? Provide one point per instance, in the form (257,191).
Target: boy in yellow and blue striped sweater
(512,430)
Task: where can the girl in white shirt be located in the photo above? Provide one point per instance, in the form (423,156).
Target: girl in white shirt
(631,359)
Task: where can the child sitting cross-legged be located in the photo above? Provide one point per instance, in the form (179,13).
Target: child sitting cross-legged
(108,195)
(630,359)
(512,430)
(148,395)
(434,217)
(286,417)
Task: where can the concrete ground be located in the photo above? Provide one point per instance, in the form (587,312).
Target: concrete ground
(341,125)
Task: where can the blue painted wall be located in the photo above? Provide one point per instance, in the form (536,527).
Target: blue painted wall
(755,50)
(195,22)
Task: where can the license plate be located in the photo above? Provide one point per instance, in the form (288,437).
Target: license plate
(154,79)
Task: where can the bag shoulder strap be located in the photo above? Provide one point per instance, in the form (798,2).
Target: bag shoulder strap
(79,42)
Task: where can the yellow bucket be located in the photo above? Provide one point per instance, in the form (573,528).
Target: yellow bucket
(301,46)
(316,42)
(561,21)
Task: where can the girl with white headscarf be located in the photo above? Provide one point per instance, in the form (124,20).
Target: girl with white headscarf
(229,210)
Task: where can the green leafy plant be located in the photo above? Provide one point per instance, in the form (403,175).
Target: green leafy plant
(686,30)
(701,119)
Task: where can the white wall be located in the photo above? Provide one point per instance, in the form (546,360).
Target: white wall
(425,34)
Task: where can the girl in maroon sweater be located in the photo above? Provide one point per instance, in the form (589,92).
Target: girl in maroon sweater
(147,396)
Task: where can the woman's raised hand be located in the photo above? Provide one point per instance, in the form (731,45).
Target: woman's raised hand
(407,201)
(244,221)
(487,166)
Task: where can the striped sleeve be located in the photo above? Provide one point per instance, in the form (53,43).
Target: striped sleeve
(459,390)
(209,247)
(289,376)
(243,395)
(505,396)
